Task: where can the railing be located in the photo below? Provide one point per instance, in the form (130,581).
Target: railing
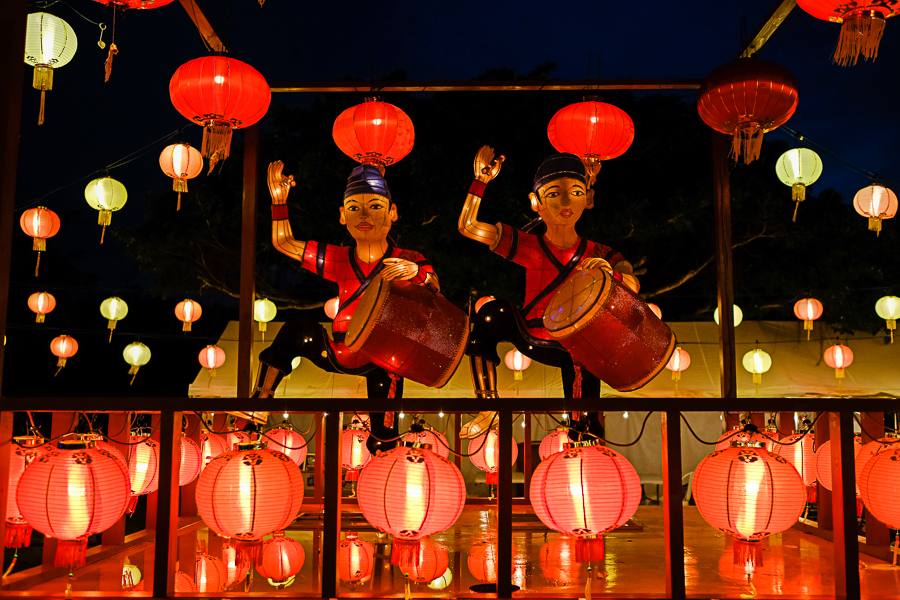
(170,410)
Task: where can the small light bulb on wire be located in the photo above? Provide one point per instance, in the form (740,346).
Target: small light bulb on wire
(625,415)
(285,416)
(565,416)
(441,414)
(402,415)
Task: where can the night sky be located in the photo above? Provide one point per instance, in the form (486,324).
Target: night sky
(90,124)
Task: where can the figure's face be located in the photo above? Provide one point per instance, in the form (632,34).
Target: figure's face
(561,201)
(368,217)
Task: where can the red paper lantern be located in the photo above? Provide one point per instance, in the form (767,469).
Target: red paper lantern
(25,450)
(211,358)
(593,131)
(210,573)
(554,442)
(435,439)
(143,465)
(71,493)
(249,493)
(516,362)
(483,558)
(191,461)
(868,451)
(41,303)
(235,570)
(282,559)
(288,442)
(374,133)
(838,357)
(655,310)
(354,453)
(679,362)
(863,25)
(180,162)
(739,434)
(428,564)
(184,583)
(808,310)
(211,445)
(482,301)
(40,223)
(136,4)
(356,559)
(823,463)
(878,485)
(877,203)
(63,347)
(221,94)
(485,454)
(188,311)
(410,493)
(800,454)
(331,307)
(746,98)
(236,437)
(559,564)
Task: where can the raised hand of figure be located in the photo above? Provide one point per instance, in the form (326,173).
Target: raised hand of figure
(279,185)
(595,263)
(486,166)
(399,268)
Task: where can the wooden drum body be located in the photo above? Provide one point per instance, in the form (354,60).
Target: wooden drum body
(409,330)
(609,330)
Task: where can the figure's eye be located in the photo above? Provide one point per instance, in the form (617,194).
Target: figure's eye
(576,193)
(549,195)
(375,206)
(352,208)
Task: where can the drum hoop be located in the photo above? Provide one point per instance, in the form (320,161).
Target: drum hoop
(589,315)
(460,352)
(356,338)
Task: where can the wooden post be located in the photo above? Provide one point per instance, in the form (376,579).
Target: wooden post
(248,262)
(526,447)
(118,431)
(164,553)
(6,449)
(843,474)
(721,145)
(673,509)
(331,529)
(63,422)
(877,533)
(319,465)
(504,506)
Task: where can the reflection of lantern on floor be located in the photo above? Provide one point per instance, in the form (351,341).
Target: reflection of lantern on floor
(749,493)
(211,445)
(410,493)
(354,453)
(191,461)
(554,442)
(188,311)
(71,493)
(235,571)
(808,310)
(63,347)
(113,309)
(210,573)
(485,454)
(131,576)
(40,304)
(558,563)
(184,583)
(288,442)
(282,559)
(441,581)
(143,467)
(25,450)
(418,434)
(249,493)
(483,558)
(428,564)
(356,559)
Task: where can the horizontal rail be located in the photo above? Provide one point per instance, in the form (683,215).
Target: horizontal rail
(549,85)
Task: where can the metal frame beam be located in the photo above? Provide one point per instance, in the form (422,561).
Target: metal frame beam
(767,30)
(195,12)
(550,85)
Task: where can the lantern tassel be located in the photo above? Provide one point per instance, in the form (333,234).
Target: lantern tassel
(747,142)
(11,565)
(590,549)
(859,507)
(811,493)
(132,505)
(102,233)
(860,34)
(405,552)
(178,206)
(392,391)
(895,548)
(592,168)
(407,593)
(492,478)
(248,551)
(796,206)
(576,386)
(41,114)
(113,50)
(186,326)
(18,535)
(587,585)
(216,143)
(389,418)
(71,553)
(351,475)
(39,318)
(748,555)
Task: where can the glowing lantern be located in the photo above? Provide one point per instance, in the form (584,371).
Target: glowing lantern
(757,362)
(738,315)
(41,303)
(191,461)
(808,310)
(430,562)
(798,168)
(435,439)
(131,576)
(869,450)
(331,307)
(800,454)
(485,454)
(63,347)
(483,558)
(143,465)
(114,309)
(374,133)
(180,162)
(887,307)
(746,433)
(863,25)
(878,486)
(50,43)
(655,310)
(749,493)
(441,582)
(288,442)
(211,358)
(210,573)
(282,559)
(263,311)
(249,493)
(593,131)
(354,453)
(71,493)
(106,195)
(137,355)
(838,357)
(356,558)
(211,445)
(221,94)
(235,571)
(187,312)
(482,301)
(236,437)
(554,443)
(679,362)
(746,98)
(136,4)
(516,362)
(25,450)
(823,463)
(410,493)
(40,223)
(184,583)
(875,202)
(558,564)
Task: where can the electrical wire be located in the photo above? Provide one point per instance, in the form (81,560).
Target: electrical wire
(875,439)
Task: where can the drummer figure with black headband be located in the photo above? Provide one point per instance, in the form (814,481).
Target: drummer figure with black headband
(368,213)
(559,196)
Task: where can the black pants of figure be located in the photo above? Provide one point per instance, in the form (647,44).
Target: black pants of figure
(304,337)
(499,321)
